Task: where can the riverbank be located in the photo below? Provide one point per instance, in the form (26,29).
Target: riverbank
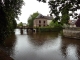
(4,56)
(72,32)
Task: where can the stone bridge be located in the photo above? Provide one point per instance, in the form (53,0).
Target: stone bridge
(32,29)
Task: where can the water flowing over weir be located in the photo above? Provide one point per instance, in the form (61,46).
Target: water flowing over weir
(42,46)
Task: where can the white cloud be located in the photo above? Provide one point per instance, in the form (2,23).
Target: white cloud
(32,6)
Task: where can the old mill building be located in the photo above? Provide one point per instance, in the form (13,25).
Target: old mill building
(42,21)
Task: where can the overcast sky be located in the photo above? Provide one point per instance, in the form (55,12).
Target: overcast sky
(32,6)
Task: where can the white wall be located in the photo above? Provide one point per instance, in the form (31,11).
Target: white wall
(49,21)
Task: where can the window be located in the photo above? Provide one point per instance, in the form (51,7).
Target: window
(44,21)
(39,25)
(39,21)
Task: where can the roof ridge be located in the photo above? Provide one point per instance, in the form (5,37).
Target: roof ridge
(45,17)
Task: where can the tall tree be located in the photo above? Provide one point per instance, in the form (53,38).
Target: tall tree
(31,19)
(9,11)
(20,24)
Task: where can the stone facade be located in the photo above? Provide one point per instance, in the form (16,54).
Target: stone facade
(42,21)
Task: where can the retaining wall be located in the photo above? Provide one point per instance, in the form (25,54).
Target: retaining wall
(72,32)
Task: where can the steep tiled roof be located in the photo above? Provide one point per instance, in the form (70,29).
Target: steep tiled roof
(45,17)
(49,17)
(40,16)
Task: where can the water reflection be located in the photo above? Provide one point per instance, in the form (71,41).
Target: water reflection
(71,48)
(20,31)
(9,44)
(42,46)
(39,38)
(71,52)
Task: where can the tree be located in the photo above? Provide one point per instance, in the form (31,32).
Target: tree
(63,6)
(20,24)
(9,11)
(64,19)
(31,19)
(54,24)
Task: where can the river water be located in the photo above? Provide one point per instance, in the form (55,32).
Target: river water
(42,46)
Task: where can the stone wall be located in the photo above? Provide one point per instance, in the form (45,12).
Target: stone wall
(42,23)
(72,32)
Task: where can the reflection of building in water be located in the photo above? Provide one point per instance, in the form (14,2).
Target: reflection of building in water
(40,38)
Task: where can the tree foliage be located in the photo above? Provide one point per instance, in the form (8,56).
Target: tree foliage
(9,11)
(55,24)
(31,19)
(63,6)
(20,24)
(64,19)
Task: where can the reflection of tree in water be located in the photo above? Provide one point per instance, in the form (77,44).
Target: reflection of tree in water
(40,38)
(67,42)
(9,44)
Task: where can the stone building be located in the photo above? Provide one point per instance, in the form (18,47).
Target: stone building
(42,21)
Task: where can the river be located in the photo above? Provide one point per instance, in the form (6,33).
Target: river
(42,46)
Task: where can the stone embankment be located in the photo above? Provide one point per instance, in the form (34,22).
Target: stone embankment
(72,32)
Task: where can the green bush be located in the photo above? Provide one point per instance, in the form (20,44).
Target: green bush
(55,29)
